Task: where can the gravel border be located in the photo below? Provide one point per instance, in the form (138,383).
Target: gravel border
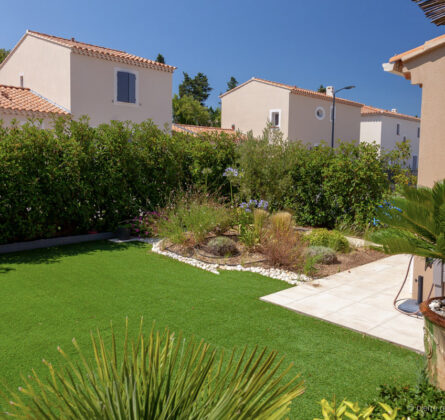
(275,273)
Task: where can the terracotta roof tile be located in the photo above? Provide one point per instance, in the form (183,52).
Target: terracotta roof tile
(105,53)
(298,91)
(370,110)
(199,129)
(418,50)
(24,100)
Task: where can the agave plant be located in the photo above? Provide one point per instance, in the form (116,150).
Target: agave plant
(414,223)
(158,377)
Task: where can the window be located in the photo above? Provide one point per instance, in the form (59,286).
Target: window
(275,118)
(418,132)
(398,129)
(415,163)
(320,113)
(126,87)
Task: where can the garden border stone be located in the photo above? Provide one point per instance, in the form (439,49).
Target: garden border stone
(46,243)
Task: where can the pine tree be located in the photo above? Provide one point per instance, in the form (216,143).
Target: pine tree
(232,83)
(160,58)
(197,87)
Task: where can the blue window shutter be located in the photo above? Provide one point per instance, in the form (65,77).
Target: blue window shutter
(122,86)
(131,88)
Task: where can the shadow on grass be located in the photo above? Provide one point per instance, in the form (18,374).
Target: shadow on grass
(55,254)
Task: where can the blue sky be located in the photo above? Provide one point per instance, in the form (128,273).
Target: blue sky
(305,43)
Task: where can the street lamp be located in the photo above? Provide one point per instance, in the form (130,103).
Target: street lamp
(333,111)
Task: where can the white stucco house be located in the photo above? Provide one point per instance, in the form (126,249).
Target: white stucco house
(301,114)
(84,79)
(386,128)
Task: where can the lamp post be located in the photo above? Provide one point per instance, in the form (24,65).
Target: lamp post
(333,111)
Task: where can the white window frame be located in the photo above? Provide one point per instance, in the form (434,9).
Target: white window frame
(136,94)
(320,108)
(275,111)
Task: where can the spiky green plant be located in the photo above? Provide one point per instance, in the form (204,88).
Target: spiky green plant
(414,223)
(158,377)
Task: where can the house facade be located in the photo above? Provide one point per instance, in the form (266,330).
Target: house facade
(300,114)
(387,128)
(85,79)
(425,66)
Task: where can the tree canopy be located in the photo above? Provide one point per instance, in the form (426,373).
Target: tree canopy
(3,54)
(321,89)
(160,58)
(197,87)
(187,110)
(232,83)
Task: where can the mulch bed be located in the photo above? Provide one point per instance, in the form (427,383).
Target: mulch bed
(355,258)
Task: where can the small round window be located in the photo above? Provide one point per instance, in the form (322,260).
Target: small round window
(320,113)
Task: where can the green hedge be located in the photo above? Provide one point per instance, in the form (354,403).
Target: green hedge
(319,185)
(75,178)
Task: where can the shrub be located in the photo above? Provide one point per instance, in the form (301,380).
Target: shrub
(422,401)
(322,186)
(348,410)
(328,238)
(222,246)
(323,254)
(76,178)
(280,242)
(192,219)
(158,376)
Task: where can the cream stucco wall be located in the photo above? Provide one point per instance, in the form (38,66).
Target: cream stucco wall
(371,129)
(382,130)
(248,107)
(93,82)
(428,71)
(45,67)
(304,125)
(8,117)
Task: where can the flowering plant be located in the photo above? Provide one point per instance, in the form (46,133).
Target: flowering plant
(142,226)
(254,204)
(231,174)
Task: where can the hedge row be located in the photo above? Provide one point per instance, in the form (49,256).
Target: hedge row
(76,179)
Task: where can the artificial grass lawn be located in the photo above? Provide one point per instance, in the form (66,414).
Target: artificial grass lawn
(49,296)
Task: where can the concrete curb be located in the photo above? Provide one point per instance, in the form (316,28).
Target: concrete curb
(46,243)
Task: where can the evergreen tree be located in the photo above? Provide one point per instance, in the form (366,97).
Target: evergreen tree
(321,89)
(160,58)
(3,54)
(232,83)
(187,110)
(197,87)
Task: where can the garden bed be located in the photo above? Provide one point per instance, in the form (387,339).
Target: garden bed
(246,257)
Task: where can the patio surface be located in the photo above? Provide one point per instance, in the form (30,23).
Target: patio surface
(360,299)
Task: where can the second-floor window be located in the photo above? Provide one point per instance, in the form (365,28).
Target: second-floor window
(398,129)
(418,131)
(275,116)
(126,87)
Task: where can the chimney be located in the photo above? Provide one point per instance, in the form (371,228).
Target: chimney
(394,110)
(330,91)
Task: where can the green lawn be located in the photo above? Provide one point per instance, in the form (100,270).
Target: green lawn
(49,296)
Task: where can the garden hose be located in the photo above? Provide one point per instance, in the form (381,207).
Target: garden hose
(416,314)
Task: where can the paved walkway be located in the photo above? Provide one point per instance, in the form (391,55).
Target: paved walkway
(360,299)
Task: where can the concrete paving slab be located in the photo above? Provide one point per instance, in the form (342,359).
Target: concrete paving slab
(360,299)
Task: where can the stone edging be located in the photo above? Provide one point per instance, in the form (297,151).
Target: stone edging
(275,273)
